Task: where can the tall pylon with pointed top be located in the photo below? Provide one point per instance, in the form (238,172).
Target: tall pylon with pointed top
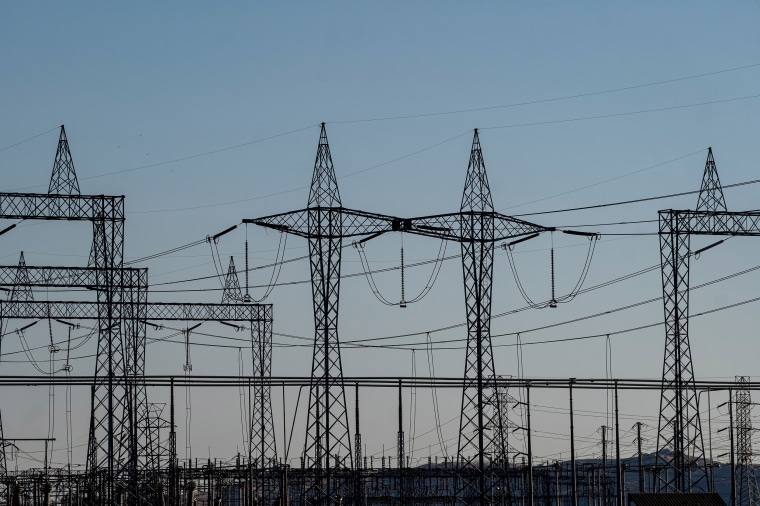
(63,181)
(327,432)
(325,223)
(479,420)
(680,428)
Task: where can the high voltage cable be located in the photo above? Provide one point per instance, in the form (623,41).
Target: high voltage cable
(555,211)
(633,201)
(29,139)
(603,182)
(583,318)
(547,122)
(407,346)
(615,115)
(283,192)
(545,100)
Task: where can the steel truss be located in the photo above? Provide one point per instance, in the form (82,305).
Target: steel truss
(477,227)
(111,404)
(262,448)
(325,223)
(679,424)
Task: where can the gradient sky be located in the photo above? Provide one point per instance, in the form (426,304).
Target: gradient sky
(204,116)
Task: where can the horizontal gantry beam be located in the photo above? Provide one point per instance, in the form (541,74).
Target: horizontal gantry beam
(745,223)
(153,311)
(70,277)
(642,384)
(43,206)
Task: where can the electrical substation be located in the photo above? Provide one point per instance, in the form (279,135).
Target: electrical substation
(133,418)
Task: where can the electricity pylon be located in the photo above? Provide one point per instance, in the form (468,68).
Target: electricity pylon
(680,428)
(325,223)
(477,227)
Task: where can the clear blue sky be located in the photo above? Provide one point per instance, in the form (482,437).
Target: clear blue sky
(141,84)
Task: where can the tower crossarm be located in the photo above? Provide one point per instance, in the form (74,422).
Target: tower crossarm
(155,311)
(329,222)
(466,226)
(742,223)
(70,277)
(43,206)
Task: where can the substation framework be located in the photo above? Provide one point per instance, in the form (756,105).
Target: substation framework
(120,449)
(331,472)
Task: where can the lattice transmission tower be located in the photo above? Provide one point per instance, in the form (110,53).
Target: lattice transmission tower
(477,227)
(680,429)
(325,223)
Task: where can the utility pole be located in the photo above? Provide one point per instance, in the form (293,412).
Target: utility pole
(641,457)
(573,470)
(733,448)
(619,469)
(603,476)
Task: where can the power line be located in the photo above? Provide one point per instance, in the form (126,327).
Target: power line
(439,143)
(545,100)
(29,139)
(633,201)
(618,114)
(606,180)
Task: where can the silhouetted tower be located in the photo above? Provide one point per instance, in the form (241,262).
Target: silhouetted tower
(63,181)
(477,227)
(747,493)
(325,223)
(680,428)
(480,423)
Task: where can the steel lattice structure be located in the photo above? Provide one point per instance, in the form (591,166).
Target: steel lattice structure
(325,223)
(747,492)
(117,447)
(262,448)
(64,177)
(679,423)
(111,404)
(477,227)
